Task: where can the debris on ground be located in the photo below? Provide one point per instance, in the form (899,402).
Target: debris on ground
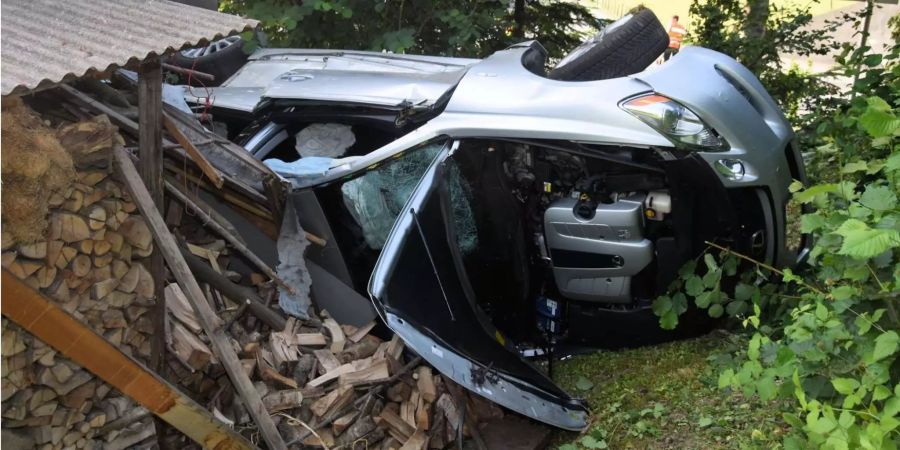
(323,384)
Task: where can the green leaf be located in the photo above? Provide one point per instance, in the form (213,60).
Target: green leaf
(880,393)
(704,422)
(735,308)
(810,193)
(811,222)
(766,388)
(710,262)
(744,291)
(568,447)
(885,345)
(716,310)
(843,292)
(669,320)
(593,443)
(661,305)
(855,166)
(679,303)
(583,384)
(879,123)
(879,198)
(862,242)
(703,300)
(693,286)
(845,386)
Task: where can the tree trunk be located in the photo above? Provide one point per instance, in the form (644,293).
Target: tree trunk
(519,18)
(758,14)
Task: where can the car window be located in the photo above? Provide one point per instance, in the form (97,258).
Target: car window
(376,198)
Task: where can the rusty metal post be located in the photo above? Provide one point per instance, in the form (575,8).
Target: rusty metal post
(43,319)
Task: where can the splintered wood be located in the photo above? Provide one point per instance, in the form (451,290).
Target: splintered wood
(311,383)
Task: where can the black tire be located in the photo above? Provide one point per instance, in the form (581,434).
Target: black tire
(220,63)
(625,47)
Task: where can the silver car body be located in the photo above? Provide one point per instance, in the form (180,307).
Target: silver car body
(498,97)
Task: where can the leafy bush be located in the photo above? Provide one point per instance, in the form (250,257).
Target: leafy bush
(826,340)
(759,40)
(472,28)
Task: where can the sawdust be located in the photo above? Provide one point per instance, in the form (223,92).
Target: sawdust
(34,165)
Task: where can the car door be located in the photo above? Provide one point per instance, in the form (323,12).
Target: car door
(422,293)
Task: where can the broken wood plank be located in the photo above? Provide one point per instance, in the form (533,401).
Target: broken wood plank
(337,335)
(236,292)
(395,425)
(205,166)
(425,383)
(234,241)
(332,375)
(188,348)
(179,306)
(211,324)
(377,371)
(326,359)
(69,336)
(282,400)
(362,331)
(333,401)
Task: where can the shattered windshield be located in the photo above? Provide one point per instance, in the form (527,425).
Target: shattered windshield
(376,198)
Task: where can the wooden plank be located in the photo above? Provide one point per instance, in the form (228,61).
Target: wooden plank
(331,375)
(42,318)
(131,127)
(326,359)
(151,153)
(361,332)
(233,240)
(178,304)
(337,335)
(211,324)
(377,371)
(205,166)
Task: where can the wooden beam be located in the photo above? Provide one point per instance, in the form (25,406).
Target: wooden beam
(53,325)
(150,147)
(205,166)
(211,323)
(233,240)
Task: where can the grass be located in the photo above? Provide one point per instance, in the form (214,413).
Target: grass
(665,397)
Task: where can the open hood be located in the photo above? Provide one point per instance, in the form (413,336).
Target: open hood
(421,290)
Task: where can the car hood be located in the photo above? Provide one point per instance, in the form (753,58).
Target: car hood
(347,77)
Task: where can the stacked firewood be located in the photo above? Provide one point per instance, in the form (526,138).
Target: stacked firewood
(325,384)
(337,386)
(50,402)
(93,260)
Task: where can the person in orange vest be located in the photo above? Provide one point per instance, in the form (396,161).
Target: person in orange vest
(676,35)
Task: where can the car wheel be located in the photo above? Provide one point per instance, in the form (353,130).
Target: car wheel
(221,59)
(626,46)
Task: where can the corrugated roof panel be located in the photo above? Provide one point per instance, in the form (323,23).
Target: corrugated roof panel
(48,41)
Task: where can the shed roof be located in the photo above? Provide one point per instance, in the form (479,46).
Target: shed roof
(48,41)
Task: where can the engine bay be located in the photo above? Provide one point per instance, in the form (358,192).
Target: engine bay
(570,232)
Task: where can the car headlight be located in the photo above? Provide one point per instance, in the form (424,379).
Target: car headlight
(675,122)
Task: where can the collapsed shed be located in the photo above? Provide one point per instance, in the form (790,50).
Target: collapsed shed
(127,296)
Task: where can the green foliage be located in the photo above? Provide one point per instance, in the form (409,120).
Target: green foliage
(826,341)
(759,42)
(442,27)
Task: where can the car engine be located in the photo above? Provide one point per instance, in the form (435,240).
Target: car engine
(589,220)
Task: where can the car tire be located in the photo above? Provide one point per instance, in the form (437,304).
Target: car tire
(221,59)
(626,46)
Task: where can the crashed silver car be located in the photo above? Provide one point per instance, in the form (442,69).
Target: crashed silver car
(492,210)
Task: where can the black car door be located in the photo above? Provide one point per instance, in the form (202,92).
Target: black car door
(421,291)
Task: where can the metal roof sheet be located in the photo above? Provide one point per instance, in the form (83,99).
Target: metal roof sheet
(48,41)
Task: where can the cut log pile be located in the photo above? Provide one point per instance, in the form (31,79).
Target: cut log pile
(92,261)
(324,384)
